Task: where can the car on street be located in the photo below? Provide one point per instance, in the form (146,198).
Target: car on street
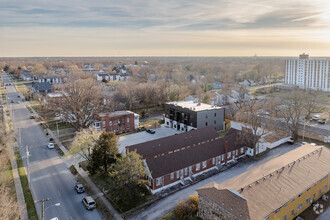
(322,121)
(79,188)
(316,118)
(50,145)
(89,203)
(32,117)
(51,139)
(150,131)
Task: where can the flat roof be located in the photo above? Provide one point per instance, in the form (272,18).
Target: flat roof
(116,113)
(195,106)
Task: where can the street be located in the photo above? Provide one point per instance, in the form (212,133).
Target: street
(165,205)
(49,176)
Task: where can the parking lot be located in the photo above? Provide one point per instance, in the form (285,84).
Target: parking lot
(143,136)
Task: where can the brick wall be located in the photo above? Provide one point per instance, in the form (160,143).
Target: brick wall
(118,124)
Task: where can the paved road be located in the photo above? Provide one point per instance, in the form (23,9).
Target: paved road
(49,176)
(325,215)
(163,206)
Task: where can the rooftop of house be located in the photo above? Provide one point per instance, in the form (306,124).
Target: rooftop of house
(274,136)
(115,113)
(195,106)
(194,153)
(271,185)
(42,86)
(54,94)
(173,142)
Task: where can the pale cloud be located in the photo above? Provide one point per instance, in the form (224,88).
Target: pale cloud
(172,27)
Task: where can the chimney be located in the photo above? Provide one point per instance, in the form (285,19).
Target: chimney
(226,151)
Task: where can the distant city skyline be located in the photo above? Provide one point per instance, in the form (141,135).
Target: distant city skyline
(164,28)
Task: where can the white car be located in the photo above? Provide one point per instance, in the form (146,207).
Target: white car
(50,145)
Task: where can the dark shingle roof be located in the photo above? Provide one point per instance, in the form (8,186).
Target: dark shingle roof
(42,86)
(175,161)
(171,143)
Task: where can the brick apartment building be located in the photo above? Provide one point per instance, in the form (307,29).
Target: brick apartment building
(282,188)
(175,159)
(117,122)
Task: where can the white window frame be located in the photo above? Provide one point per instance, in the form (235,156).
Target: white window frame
(127,120)
(159,181)
(177,174)
(204,164)
(228,155)
(213,160)
(242,150)
(186,171)
(172,176)
(103,124)
(198,167)
(222,157)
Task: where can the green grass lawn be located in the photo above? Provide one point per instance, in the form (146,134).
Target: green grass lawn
(31,209)
(61,125)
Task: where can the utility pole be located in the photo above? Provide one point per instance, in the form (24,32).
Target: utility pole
(43,207)
(27,164)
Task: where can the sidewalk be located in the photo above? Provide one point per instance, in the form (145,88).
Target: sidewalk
(18,185)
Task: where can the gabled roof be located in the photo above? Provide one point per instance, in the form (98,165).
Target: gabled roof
(42,86)
(271,185)
(195,153)
(171,143)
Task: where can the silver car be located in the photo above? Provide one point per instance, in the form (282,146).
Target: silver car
(89,203)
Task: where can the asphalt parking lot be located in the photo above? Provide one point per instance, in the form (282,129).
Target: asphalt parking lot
(143,136)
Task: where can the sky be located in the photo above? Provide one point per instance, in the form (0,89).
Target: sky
(164,28)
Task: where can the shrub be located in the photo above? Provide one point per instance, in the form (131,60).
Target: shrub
(184,209)
(193,201)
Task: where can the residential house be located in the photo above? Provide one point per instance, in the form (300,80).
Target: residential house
(50,79)
(281,188)
(118,121)
(179,158)
(188,115)
(247,82)
(41,87)
(217,85)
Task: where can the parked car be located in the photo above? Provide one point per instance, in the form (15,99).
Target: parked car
(89,203)
(150,131)
(316,118)
(18,96)
(51,139)
(291,141)
(322,120)
(79,188)
(11,101)
(50,145)
(32,117)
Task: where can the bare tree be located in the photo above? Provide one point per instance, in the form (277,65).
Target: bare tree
(253,113)
(39,69)
(81,98)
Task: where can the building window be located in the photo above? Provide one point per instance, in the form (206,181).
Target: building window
(103,123)
(292,212)
(215,122)
(205,116)
(242,150)
(284,217)
(117,129)
(159,181)
(115,121)
(198,166)
(229,155)
(223,157)
(307,200)
(205,123)
(110,129)
(314,196)
(215,114)
(325,187)
(204,164)
(299,206)
(213,160)
(127,120)
(127,126)
(319,191)
(177,174)
(110,123)
(186,171)
(172,176)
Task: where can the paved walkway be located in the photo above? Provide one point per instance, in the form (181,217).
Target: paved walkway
(18,185)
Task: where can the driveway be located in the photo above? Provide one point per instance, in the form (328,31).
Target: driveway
(165,205)
(143,136)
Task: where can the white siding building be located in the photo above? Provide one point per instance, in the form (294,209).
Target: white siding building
(308,73)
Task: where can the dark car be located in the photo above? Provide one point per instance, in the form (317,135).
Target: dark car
(150,131)
(11,101)
(31,117)
(89,203)
(51,139)
(79,188)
